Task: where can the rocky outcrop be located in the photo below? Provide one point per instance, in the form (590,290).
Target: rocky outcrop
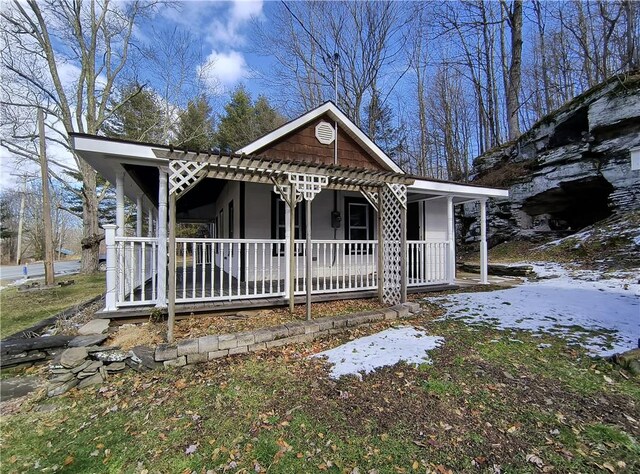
(571,169)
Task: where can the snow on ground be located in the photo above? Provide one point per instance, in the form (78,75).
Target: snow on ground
(366,354)
(599,311)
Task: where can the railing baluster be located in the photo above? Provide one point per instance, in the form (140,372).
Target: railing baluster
(255,268)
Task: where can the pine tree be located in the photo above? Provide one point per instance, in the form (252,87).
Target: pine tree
(244,121)
(195,126)
(139,118)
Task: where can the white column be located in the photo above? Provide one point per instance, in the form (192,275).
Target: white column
(287,252)
(162,239)
(139,216)
(484,264)
(451,250)
(150,223)
(111,277)
(120,203)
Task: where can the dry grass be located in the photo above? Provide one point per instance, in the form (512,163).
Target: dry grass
(131,335)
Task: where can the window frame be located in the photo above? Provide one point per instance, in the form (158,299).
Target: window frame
(369,227)
(277,206)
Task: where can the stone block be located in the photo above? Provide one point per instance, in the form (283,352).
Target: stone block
(59,389)
(311,327)
(115,367)
(413,307)
(188,346)
(95,326)
(324,324)
(295,328)
(238,350)
(258,346)
(93,380)
(207,344)
(263,335)
(402,310)
(277,343)
(245,338)
(197,358)
(320,334)
(218,354)
(390,314)
(279,331)
(227,341)
(178,362)
(144,356)
(73,357)
(336,331)
(358,319)
(81,367)
(166,352)
(61,378)
(340,321)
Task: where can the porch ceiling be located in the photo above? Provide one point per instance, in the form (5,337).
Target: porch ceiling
(266,171)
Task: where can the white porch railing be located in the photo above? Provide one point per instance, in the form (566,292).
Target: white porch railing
(337,266)
(234,269)
(137,268)
(228,269)
(427,262)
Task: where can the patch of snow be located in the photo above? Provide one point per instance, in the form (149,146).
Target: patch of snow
(636,240)
(600,311)
(366,354)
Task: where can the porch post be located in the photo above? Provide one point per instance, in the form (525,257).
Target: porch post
(150,223)
(380,246)
(309,259)
(111,276)
(162,240)
(292,248)
(172,266)
(139,216)
(403,251)
(120,203)
(484,278)
(451,247)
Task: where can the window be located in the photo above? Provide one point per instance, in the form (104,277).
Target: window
(278,222)
(359,222)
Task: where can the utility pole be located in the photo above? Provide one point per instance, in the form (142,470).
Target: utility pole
(21,219)
(46,204)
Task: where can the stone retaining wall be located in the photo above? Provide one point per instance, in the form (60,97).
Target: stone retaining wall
(193,351)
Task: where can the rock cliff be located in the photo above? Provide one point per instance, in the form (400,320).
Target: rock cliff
(571,169)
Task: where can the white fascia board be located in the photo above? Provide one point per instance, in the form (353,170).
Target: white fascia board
(335,113)
(437,187)
(130,151)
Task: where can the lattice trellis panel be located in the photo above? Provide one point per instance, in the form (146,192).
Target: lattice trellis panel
(371,194)
(284,191)
(392,203)
(183,175)
(400,191)
(308,184)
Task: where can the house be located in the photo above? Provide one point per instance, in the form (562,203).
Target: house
(302,211)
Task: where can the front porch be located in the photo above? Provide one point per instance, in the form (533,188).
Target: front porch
(215,274)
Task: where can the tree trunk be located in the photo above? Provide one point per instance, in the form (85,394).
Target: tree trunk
(513,104)
(91,235)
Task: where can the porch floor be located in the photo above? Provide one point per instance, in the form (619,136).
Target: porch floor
(183,310)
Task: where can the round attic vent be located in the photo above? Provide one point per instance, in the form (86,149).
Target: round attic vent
(325,133)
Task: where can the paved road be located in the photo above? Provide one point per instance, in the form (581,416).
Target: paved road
(11,273)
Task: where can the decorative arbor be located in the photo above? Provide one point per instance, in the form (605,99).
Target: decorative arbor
(295,182)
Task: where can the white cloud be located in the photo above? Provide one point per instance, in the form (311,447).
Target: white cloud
(224,70)
(243,10)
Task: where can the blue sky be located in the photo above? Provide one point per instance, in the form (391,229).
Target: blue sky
(223,32)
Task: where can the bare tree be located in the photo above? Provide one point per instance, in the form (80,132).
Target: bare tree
(65,57)
(367,36)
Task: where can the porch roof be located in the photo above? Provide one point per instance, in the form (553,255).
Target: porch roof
(266,170)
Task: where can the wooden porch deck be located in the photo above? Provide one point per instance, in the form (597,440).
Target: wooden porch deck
(183,310)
